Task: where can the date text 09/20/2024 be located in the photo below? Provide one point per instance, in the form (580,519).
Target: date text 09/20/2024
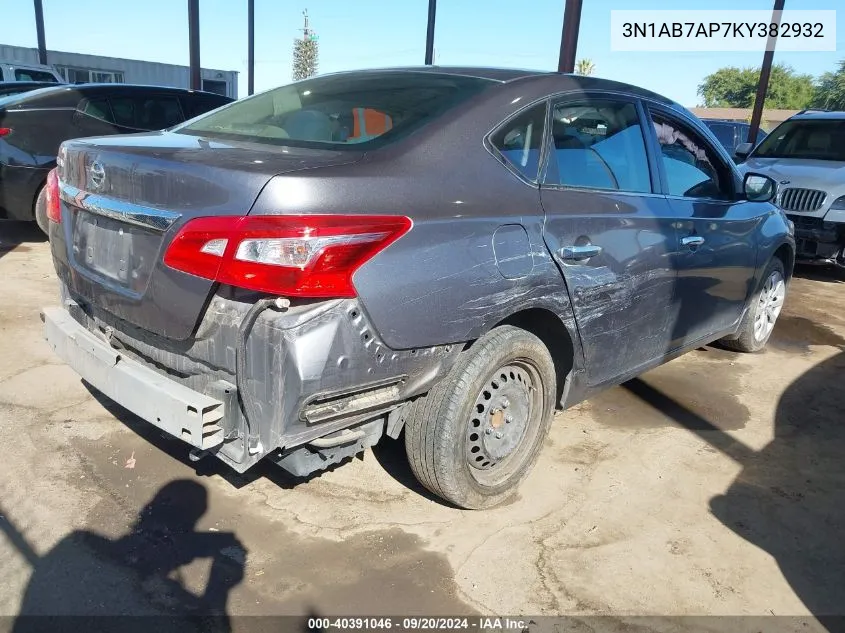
(418,623)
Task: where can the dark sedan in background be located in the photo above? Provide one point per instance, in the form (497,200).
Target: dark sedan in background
(34,123)
(731,134)
(448,254)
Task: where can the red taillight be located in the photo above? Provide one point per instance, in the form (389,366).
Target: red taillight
(302,255)
(54,210)
(5,131)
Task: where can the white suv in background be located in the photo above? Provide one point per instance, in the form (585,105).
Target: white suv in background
(11,71)
(806,156)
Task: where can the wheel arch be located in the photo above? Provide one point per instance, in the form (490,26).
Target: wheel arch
(555,335)
(786,253)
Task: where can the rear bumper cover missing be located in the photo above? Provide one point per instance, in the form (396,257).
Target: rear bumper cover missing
(312,371)
(182,412)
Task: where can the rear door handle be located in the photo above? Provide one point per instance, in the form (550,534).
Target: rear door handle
(579,252)
(692,240)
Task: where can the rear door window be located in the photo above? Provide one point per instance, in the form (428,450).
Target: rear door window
(146,113)
(124,111)
(157,113)
(97,108)
(520,142)
(598,144)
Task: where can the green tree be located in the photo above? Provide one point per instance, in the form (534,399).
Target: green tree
(305,53)
(733,87)
(585,67)
(830,92)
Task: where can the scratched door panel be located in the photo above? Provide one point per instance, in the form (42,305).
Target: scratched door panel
(623,298)
(714,279)
(613,238)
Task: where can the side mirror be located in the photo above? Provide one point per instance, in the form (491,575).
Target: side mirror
(759,188)
(743,150)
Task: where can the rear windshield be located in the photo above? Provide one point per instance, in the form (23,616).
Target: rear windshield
(354,110)
(29,74)
(820,139)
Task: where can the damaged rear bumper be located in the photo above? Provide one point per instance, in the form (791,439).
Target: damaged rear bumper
(182,412)
(321,380)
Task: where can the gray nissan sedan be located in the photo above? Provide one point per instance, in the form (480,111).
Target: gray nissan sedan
(448,254)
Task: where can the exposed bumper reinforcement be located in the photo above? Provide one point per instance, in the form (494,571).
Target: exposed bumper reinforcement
(182,412)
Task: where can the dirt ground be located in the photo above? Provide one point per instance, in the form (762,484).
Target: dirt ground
(714,485)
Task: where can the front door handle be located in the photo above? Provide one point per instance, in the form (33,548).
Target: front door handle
(693,241)
(579,252)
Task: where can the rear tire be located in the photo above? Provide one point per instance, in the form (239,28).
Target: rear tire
(474,437)
(40,211)
(765,306)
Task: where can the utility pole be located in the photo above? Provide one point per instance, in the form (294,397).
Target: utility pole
(39,31)
(765,73)
(250,47)
(194,43)
(429,34)
(569,36)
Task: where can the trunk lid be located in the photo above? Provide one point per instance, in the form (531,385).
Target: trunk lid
(124,198)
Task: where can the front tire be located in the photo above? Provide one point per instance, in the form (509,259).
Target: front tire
(766,304)
(474,437)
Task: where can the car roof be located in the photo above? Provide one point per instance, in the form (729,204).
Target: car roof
(708,121)
(481,72)
(506,75)
(26,85)
(819,114)
(64,95)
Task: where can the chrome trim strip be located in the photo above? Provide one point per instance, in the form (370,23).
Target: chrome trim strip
(146,217)
(61,109)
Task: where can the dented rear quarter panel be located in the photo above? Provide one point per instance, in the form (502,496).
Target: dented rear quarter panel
(475,254)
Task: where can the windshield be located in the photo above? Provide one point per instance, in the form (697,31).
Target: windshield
(819,139)
(346,110)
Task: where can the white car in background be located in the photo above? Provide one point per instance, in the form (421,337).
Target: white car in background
(12,71)
(805,155)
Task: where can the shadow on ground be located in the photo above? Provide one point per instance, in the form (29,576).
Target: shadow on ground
(379,571)
(789,499)
(813,272)
(18,236)
(90,576)
(389,453)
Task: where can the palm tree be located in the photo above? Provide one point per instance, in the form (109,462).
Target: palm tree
(585,67)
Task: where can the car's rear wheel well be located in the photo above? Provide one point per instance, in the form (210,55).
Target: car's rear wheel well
(548,327)
(786,255)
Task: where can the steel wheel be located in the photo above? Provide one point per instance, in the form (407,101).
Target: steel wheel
(502,417)
(769,305)
(478,432)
